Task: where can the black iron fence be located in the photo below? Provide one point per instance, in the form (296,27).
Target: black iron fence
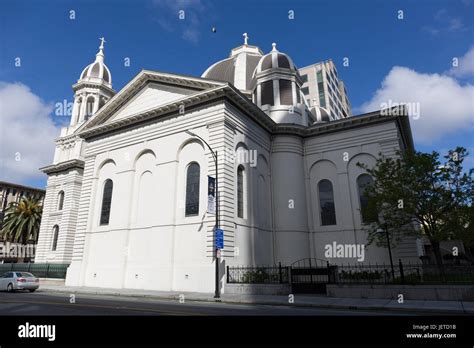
(404,273)
(314,271)
(40,270)
(258,274)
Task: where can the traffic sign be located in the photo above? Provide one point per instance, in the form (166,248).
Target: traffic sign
(219,238)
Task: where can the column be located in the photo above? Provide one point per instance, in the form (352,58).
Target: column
(83,109)
(75,110)
(96,105)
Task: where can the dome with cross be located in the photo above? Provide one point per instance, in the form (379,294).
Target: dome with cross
(238,68)
(97,71)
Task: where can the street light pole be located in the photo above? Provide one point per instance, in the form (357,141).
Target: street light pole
(217,292)
(389,252)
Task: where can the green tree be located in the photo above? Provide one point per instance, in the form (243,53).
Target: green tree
(415,194)
(22,221)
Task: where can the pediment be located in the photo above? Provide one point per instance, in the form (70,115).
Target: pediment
(147,91)
(150,97)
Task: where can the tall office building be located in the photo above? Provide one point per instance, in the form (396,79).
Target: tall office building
(322,87)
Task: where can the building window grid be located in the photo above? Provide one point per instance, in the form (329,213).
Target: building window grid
(319,76)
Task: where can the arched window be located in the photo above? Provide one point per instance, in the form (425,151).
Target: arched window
(286,92)
(326,203)
(363,181)
(267,93)
(192,189)
(240,192)
(55,237)
(106,202)
(89,108)
(60,200)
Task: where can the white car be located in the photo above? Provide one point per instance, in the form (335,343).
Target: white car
(12,281)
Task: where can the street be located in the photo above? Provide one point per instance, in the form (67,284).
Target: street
(44,303)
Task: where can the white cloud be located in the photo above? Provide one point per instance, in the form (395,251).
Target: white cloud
(445,23)
(446,106)
(27,133)
(191,35)
(168,18)
(176,5)
(465,65)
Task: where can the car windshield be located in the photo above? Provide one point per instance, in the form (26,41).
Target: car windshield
(24,275)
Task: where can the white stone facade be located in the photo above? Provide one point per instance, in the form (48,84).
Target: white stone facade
(139,141)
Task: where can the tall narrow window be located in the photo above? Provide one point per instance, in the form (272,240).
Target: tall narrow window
(326,203)
(240,192)
(106,202)
(192,189)
(286,92)
(60,200)
(55,237)
(89,108)
(267,93)
(363,181)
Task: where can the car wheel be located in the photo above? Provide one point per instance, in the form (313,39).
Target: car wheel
(10,287)
(32,290)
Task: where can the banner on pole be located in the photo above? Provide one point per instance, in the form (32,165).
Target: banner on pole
(211,195)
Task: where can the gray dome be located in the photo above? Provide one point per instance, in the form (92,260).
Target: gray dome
(237,69)
(96,70)
(321,114)
(273,60)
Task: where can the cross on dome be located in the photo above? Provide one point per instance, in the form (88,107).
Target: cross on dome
(100,55)
(246,37)
(102,41)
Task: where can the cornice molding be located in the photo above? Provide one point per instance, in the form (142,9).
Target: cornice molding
(62,166)
(90,84)
(209,90)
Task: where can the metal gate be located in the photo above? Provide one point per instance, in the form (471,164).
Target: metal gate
(311,276)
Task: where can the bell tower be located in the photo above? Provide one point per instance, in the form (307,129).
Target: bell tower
(92,90)
(277,89)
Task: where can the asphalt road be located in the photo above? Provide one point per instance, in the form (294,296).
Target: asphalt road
(42,303)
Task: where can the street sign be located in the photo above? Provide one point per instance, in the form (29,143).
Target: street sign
(219,239)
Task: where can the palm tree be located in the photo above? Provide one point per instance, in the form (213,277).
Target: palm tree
(22,221)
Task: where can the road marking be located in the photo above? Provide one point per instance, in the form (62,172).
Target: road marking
(109,307)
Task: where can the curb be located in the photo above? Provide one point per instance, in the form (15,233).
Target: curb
(269,302)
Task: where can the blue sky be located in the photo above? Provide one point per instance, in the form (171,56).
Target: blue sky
(54,49)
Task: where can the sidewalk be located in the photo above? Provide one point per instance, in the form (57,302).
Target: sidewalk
(410,306)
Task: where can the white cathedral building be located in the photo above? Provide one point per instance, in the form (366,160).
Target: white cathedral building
(126,200)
